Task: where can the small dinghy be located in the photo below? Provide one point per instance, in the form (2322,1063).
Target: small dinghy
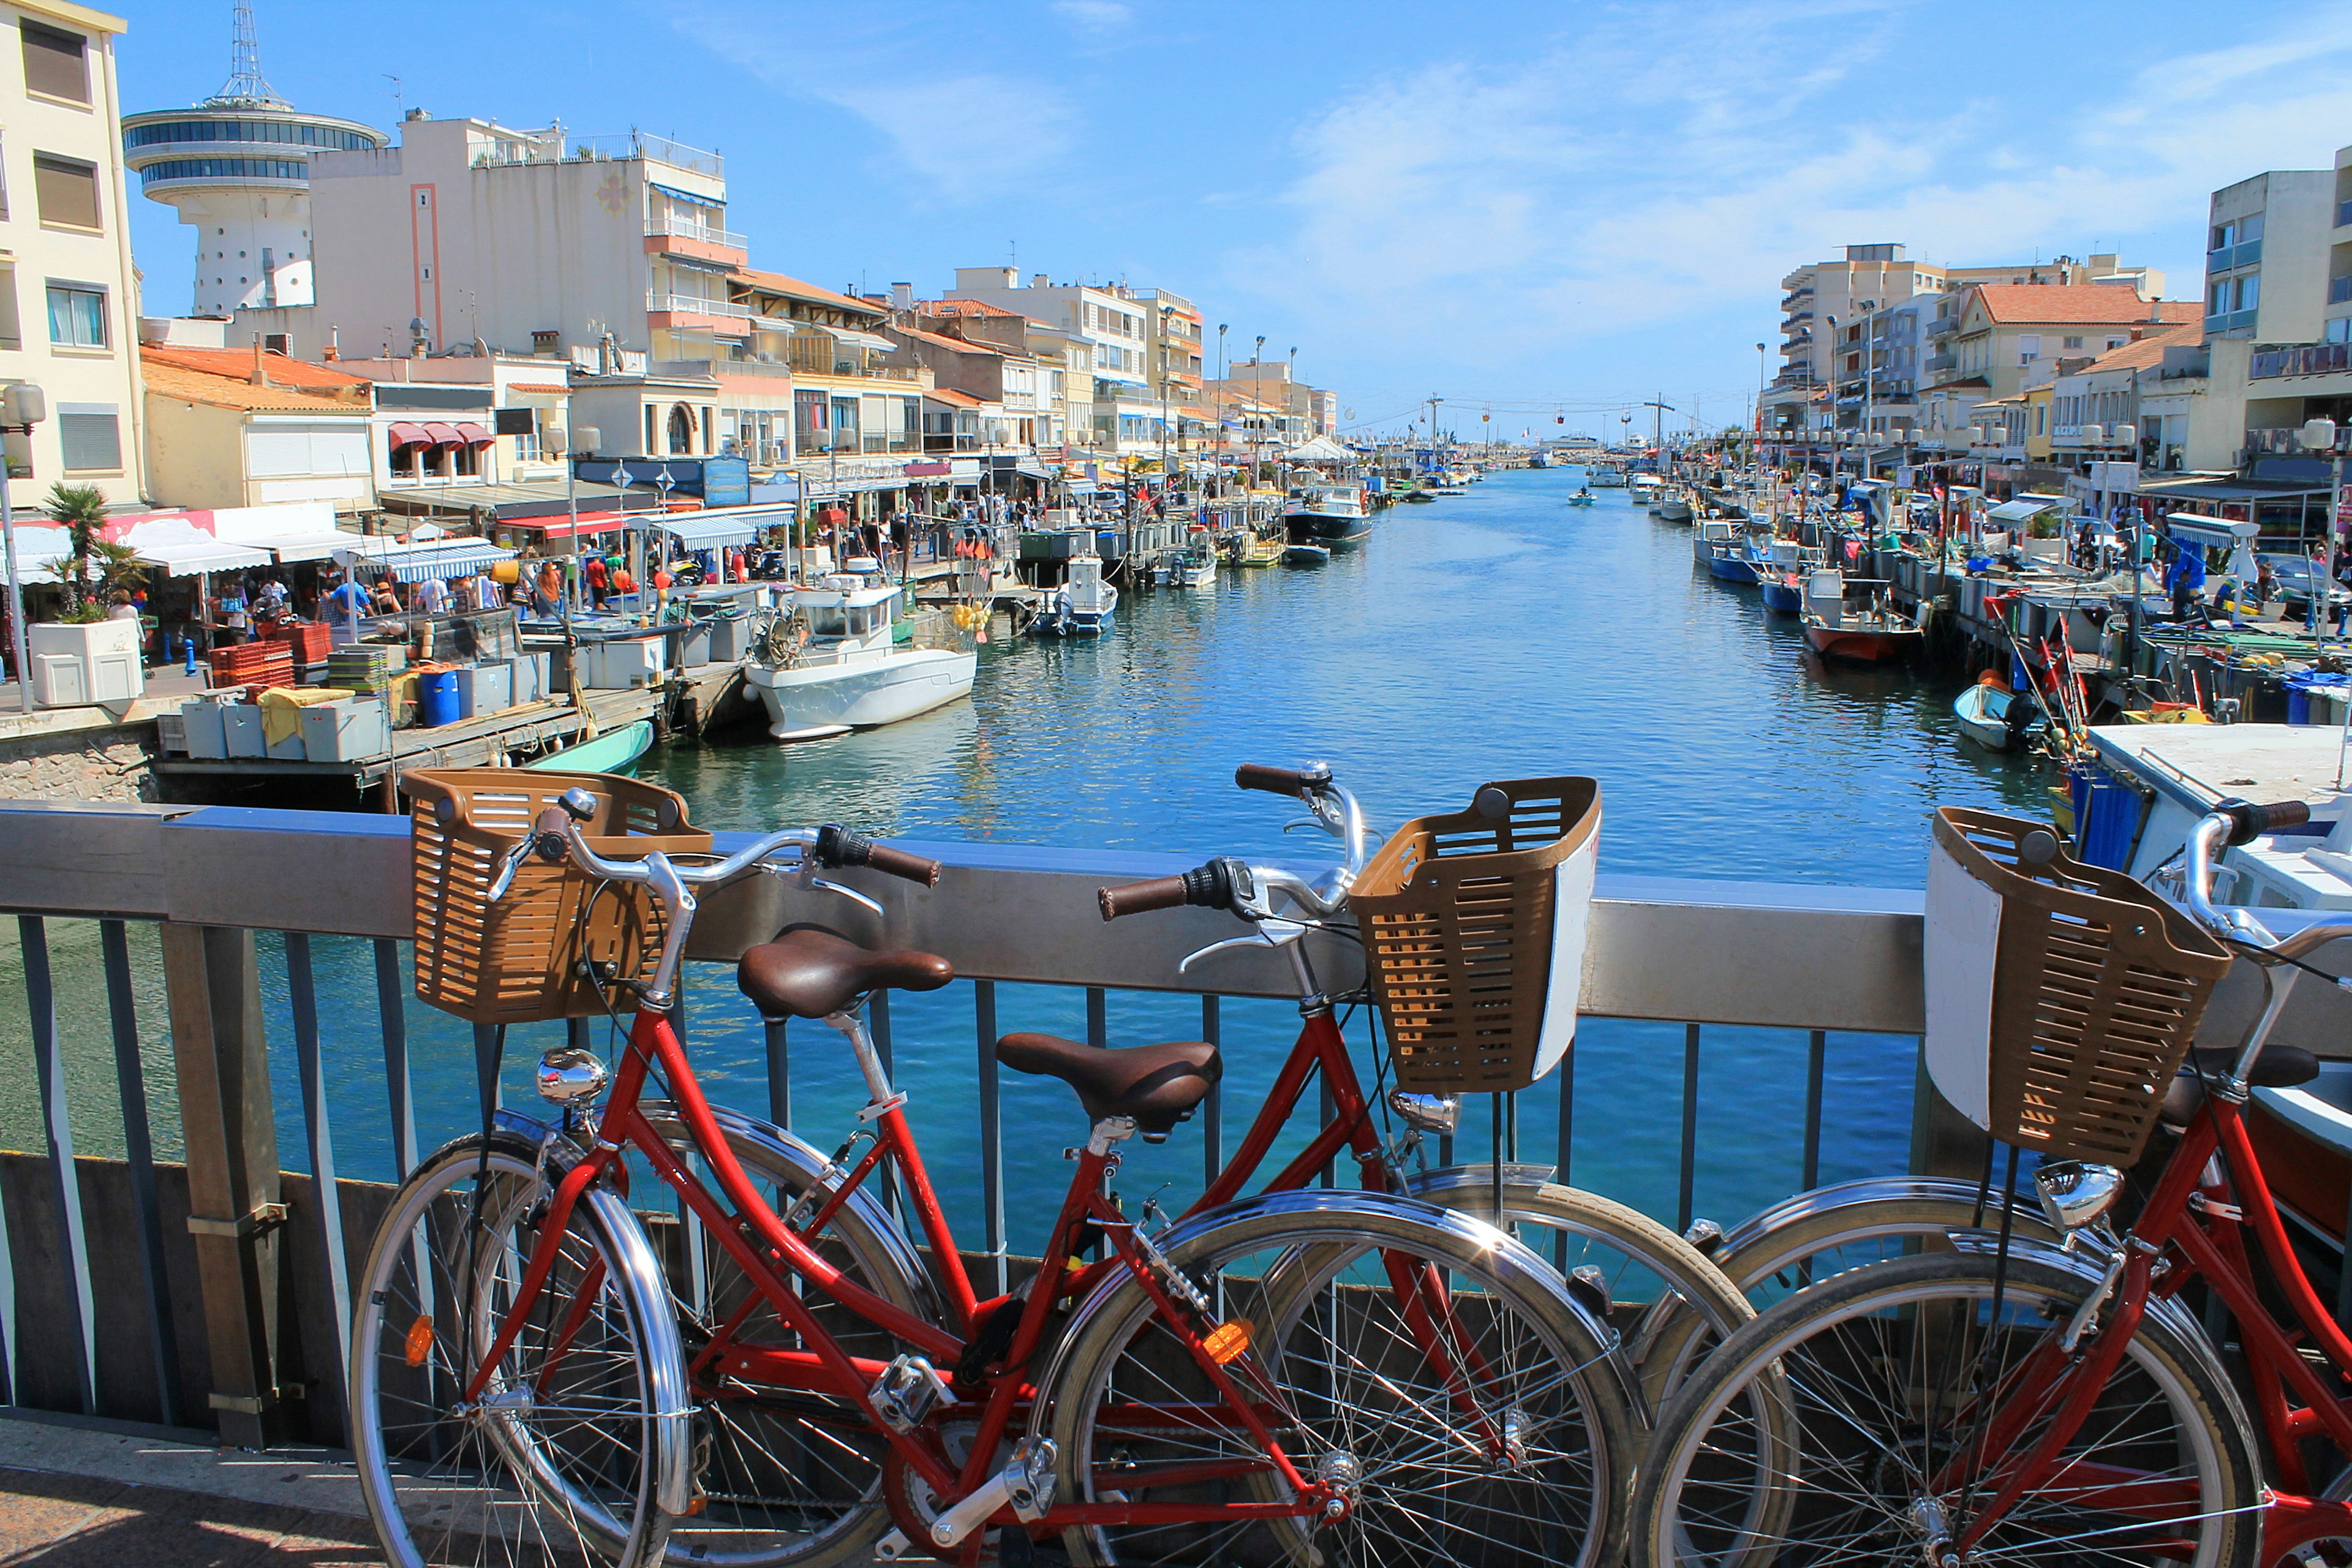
(1996,718)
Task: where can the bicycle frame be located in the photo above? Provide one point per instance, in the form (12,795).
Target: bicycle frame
(773,1255)
(2211,1190)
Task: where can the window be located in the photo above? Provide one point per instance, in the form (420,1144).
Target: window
(66,190)
(2218,302)
(2225,234)
(89,435)
(2029,347)
(2249,290)
(55,62)
(76,316)
(2075,343)
(2118,342)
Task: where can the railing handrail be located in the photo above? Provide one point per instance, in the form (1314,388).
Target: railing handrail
(217,866)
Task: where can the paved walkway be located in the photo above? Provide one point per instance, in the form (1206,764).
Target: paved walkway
(74,1497)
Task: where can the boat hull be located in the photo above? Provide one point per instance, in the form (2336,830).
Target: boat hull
(1850,644)
(608,753)
(1306,555)
(1782,598)
(2303,1136)
(1982,713)
(810,703)
(1732,569)
(1674,512)
(1327,528)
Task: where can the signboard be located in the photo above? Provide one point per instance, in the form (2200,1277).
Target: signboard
(514,421)
(2344,507)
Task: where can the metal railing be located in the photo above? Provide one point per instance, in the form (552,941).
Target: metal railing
(169,957)
(680,228)
(2298,359)
(691,304)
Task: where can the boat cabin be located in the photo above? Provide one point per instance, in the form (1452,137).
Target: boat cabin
(848,612)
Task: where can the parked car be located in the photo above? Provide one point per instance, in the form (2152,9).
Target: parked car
(2295,574)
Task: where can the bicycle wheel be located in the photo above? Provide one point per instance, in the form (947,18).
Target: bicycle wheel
(1672,1302)
(575,1449)
(1894,1374)
(781,1476)
(1493,1427)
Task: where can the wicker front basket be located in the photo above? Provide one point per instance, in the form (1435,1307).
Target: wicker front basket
(2062,998)
(1458,914)
(517,961)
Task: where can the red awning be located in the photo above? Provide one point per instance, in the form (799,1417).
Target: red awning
(474,435)
(591,523)
(444,435)
(410,435)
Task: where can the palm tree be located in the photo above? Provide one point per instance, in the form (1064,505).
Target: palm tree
(80,511)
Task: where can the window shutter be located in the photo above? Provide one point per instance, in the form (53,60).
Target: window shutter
(55,62)
(90,436)
(67,191)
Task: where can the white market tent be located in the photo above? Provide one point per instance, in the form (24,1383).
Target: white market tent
(304,530)
(1321,449)
(42,549)
(418,561)
(183,550)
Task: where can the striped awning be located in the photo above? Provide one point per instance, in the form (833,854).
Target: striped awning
(409,435)
(417,563)
(694,531)
(444,435)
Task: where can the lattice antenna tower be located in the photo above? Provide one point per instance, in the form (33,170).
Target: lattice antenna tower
(246,87)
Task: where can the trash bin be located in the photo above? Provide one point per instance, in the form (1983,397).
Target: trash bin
(436,698)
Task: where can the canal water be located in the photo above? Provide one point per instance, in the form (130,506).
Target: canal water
(1500,634)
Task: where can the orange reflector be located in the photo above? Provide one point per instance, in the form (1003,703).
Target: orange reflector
(1227,1343)
(420,1339)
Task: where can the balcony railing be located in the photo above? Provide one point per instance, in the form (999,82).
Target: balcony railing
(696,305)
(1937,363)
(2288,442)
(680,228)
(2299,358)
(136,922)
(2343,214)
(2223,258)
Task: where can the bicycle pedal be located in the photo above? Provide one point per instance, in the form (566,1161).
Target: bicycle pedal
(893,1546)
(906,1392)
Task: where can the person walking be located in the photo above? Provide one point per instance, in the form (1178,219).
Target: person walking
(2186,579)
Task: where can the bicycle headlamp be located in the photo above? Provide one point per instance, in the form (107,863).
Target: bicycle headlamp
(2075,1193)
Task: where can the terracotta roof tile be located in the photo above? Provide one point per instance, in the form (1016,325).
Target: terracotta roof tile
(237,363)
(780,283)
(2148,349)
(2084,304)
(235,391)
(536,387)
(962,308)
(952,398)
(958,345)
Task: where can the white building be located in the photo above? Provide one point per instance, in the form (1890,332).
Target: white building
(1107,393)
(237,169)
(68,304)
(2267,245)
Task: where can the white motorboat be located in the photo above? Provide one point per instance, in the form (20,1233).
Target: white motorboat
(1194,566)
(836,658)
(1082,606)
(1332,515)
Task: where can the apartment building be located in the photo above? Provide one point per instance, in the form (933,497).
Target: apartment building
(1983,339)
(67,258)
(1109,402)
(1031,355)
(1172,352)
(2267,245)
(235,428)
(813,374)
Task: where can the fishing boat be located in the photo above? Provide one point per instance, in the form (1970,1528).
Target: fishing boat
(1875,636)
(1194,566)
(1082,606)
(1608,477)
(1674,507)
(835,656)
(1645,488)
(1783,589)
(1255,549)
(1996,718)
(606,753)
(1719,547)
(1305,552)
(1333,514)
(1581,498)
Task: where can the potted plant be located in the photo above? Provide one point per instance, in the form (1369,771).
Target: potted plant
(84,654)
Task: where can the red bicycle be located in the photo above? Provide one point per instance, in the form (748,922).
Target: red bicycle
(1343,1374)
(2002,1400)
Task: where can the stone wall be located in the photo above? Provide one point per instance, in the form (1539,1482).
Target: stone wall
(100,764)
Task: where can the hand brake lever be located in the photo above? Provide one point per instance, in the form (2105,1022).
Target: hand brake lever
(1267,933)
(803,874)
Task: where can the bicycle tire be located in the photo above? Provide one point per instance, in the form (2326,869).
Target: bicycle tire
(2169,1398)
(513,1476)
(1305,1268)
(1780,1248)
(744,1496)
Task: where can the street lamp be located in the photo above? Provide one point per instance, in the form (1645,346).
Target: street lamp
(22,406)
(2317,436)
(578,443)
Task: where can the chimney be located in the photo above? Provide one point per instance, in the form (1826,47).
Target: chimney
(2155,308)
(260,368)
(334,350)
(1038,281)
(902,296)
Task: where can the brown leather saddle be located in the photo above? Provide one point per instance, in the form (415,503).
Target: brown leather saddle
(811,971)
(1157,1085)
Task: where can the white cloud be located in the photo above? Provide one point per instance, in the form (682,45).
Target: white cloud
(1095,15)
(1603,184)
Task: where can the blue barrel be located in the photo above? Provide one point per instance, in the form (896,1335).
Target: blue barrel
(436,698)
(2298,705)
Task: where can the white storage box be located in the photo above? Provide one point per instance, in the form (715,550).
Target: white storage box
(485,688)
(351,730)
(201,729)
(242,723)
(530,677)
(617,666)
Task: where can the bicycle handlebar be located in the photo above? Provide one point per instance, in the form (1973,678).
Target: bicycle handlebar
(2249,822)
(1282,781)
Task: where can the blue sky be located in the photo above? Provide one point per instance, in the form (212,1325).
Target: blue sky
(1518,207)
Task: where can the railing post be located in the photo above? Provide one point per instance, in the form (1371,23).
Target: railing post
(213,979)
(1943,1141)
(49,1065)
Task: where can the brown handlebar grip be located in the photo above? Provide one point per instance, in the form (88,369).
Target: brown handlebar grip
(1135,897)
(898,863)
(554,819)
(1273,781)
(2286,813)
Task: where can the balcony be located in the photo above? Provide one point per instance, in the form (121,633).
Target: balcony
(2343,215)
(1936,364)
(2222,258)
(2299,358)
(678,236)
(2339,289)
(660,304)
(196,897)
